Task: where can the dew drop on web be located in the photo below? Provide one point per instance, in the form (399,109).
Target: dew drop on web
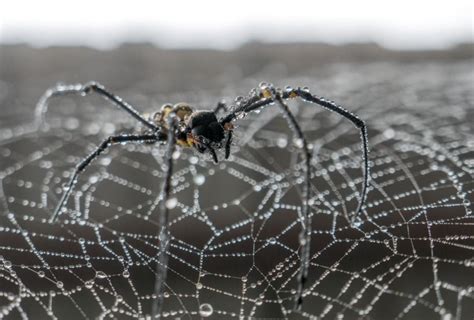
(206,310)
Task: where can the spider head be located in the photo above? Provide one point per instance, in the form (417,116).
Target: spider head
(204,130)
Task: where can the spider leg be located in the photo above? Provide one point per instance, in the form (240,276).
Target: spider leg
(305,234)
(164,236)
(267,96)
(360,124)
(85,163)
(228,144)
(256,101)
(213,153)
(83,89)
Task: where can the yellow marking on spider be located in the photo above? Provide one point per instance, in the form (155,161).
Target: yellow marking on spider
(182,110)
(266,93)
(183,143)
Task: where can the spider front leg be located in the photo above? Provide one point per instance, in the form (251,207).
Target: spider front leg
(85,163)
(164,236)
(359,123)
(267,95)
(305,234)
(83,89)
(263,97)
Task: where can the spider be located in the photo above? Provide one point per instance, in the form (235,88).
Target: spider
(181,125)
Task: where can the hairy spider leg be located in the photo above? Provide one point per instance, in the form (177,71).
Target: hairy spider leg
(85,163)
(164,236)
(83,89)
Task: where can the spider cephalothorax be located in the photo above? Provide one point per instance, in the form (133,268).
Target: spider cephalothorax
(198,129)
(182,125)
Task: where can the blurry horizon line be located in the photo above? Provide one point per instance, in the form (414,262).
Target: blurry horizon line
(243,45)
(397,25)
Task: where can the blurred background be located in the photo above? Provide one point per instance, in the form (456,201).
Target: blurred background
(204,45)
(405,67)
(412,25)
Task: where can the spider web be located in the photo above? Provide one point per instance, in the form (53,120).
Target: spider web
(234,226)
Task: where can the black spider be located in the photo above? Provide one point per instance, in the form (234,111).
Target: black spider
(180,124)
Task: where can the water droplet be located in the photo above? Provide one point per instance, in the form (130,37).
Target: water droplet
(299,143)
(447,316)
(71,123)
(41,274)
(176,155)
(282,142)
(389,133)
(199,179)
(105,161)
(126,274)
(89,284)
(171,203)
(205,310)
(59,284)
(199,285)
(100,275)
